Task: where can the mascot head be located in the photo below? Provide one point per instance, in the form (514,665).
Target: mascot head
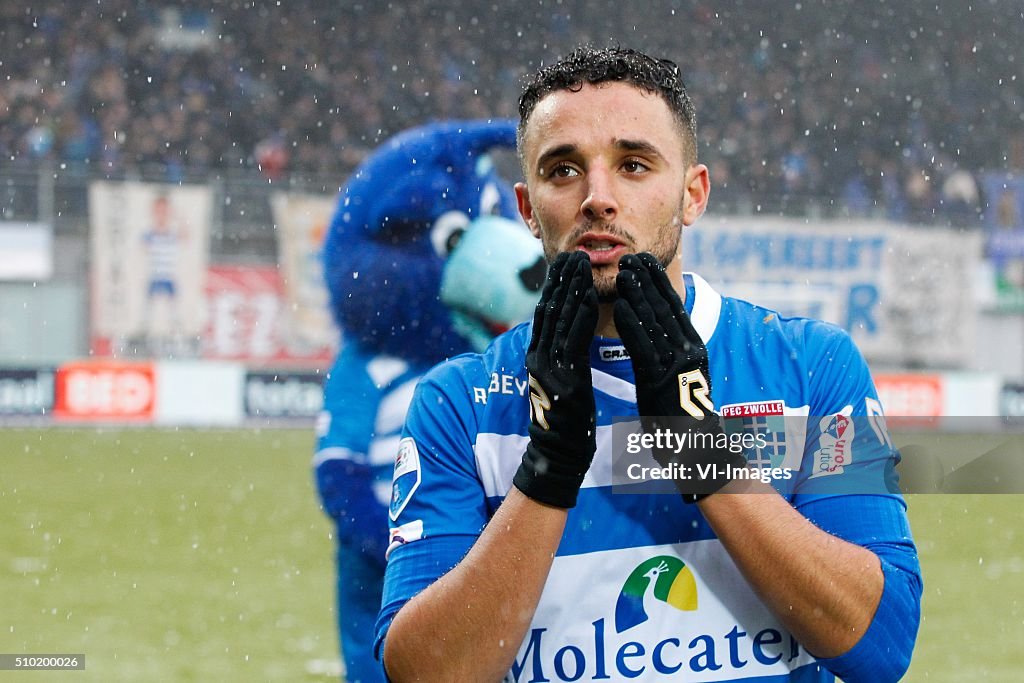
(426,256)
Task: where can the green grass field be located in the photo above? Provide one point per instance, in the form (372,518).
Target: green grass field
(202,556)
(166,555)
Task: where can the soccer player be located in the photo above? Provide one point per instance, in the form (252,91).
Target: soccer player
(163,242)
(523,563)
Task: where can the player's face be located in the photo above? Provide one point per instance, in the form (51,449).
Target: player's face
(161,213)
(606,173)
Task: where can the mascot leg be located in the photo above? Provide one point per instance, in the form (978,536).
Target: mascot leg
(359,592)
(360,521)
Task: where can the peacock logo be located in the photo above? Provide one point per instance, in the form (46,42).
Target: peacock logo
(669,580)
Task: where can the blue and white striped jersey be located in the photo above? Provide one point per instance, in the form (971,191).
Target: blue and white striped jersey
(640,587)
(162,251)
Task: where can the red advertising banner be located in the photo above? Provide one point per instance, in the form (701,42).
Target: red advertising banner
(911,400)
(105,390)
(248,320)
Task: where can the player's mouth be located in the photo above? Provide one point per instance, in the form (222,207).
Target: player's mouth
(603,249)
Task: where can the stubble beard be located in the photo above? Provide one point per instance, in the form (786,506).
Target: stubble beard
(664,248)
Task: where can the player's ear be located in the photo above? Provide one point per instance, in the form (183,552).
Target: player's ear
(698,188)
(526,208)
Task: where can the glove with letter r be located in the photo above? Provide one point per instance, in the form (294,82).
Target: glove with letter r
(673,385)
(563,426)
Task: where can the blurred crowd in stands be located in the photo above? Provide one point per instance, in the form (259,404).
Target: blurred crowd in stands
(888,109)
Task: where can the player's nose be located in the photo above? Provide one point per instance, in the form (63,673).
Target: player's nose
(600,203)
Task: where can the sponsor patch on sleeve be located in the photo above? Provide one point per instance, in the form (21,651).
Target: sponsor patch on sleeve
(406,533)
(407,476)
(835,445)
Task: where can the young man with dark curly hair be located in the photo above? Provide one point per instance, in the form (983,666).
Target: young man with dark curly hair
(524,563)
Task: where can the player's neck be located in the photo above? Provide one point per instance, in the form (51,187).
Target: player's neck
(606,314)
(606,321)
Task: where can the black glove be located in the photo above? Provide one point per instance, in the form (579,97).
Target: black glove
(673,385)
(562,421)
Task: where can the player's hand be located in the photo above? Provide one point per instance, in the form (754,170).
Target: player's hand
(670,364)
(562,421)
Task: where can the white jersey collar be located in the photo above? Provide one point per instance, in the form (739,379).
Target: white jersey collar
(706,307)
(705,310)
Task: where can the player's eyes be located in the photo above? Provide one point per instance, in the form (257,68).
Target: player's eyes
(634,166)
(563,171)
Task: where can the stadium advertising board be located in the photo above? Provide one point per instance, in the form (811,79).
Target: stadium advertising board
(1005,205)
(26,391)
(248,320)
(901,292)
(302,221)
(1004,223)
(941,400)
(283,395)
(26,251)
(911,400)
(150,247)
(198,393)
(1011,400)
(105,390)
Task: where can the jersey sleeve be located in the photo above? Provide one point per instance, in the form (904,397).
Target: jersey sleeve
(438,507)
(848,487)
(848,449)
(879,524)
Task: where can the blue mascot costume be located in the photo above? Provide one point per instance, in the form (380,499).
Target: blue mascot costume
(426,257)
